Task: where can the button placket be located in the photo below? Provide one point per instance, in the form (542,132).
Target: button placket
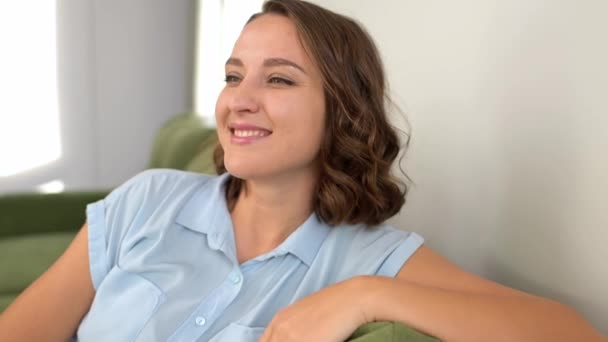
(200,321)
(235,278)
(204,315)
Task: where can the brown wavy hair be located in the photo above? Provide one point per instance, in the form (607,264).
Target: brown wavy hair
(355,184)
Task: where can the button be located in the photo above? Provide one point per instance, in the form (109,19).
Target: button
(235,278)
(200,321)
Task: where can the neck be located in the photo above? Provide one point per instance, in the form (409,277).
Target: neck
(268,211)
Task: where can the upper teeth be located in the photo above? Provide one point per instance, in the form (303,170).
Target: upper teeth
(256,133)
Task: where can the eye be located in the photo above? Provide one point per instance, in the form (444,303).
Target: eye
(280,80)
(231,79)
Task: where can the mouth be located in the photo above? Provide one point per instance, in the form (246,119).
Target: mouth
(247,135)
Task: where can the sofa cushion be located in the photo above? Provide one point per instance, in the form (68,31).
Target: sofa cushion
(388,331)
(203,161)
(179,141)
(5,300)
(35,213)
(24,258)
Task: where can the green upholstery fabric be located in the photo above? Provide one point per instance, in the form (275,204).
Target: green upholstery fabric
(179,141)
(33,213)
(5,300)
(388,331)
(23,258)
(203,161)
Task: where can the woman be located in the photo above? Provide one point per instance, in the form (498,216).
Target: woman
(287,244)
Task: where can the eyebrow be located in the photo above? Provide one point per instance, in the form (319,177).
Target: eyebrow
(270,62)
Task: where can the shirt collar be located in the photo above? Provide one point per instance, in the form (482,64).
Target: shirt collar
(206,212)
(306,240)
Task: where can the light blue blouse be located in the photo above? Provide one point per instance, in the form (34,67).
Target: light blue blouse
(163,263)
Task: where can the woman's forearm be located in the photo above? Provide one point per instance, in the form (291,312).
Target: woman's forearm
(460,316)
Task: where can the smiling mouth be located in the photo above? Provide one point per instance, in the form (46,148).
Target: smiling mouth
(247,136)
(247,133)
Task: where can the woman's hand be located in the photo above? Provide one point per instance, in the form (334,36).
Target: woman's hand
(329,315)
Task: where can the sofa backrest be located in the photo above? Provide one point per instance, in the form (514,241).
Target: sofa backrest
(184,143)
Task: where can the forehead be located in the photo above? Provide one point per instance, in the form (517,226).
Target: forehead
(270,36)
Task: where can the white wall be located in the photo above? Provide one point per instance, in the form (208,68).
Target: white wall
(510,133)
(124,68)
(145,54)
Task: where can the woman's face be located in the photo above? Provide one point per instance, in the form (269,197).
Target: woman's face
(271,113)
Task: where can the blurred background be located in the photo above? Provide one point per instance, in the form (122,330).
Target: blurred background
(506,102)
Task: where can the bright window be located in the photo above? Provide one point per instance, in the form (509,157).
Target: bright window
(29,111)
(220,22)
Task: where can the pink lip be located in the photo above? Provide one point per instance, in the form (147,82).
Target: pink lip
(246,127)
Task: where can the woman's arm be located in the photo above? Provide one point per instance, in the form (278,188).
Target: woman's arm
(436,297)
(51,308)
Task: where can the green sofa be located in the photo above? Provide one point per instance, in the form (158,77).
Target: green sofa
(36,228)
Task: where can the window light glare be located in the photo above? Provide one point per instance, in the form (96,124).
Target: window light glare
(51,187)
(29,109)
(220,23)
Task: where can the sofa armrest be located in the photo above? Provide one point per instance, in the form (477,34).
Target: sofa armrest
(29,213)
(388,331)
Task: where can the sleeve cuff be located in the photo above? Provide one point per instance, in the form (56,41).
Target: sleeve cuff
(97,242)
(400,255)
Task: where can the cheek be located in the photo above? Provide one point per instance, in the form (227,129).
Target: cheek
(305,129)
(221,106)
(221,115)
(316,120)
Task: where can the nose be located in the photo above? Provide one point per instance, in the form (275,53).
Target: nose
(245,98)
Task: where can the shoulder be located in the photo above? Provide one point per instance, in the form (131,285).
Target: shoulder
(361,236)
(150,194)
(144,207)
(157,184)
(365,250)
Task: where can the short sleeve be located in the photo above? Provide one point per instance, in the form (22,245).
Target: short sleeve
(355,250)
(115,221)
(97,241)
(109,220)
(395,260)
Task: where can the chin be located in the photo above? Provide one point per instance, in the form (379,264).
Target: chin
(244,170)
